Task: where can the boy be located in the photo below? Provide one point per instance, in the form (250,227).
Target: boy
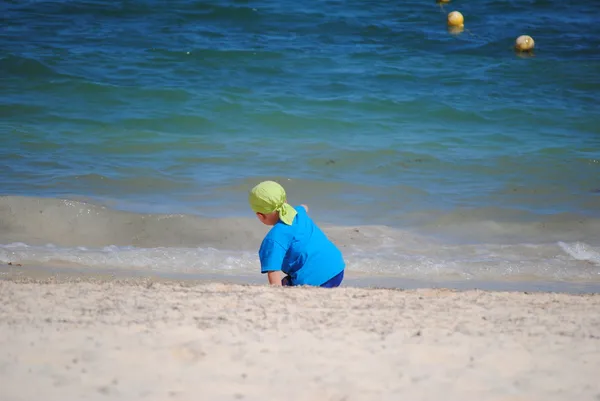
(295,245)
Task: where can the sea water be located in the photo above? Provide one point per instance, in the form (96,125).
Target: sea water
(131,132)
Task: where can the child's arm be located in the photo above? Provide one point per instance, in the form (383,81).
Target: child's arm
(274,278)
(272,255)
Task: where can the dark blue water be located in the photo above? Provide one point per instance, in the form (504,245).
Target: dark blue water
(373,113)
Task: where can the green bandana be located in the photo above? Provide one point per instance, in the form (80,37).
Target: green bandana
(268,197)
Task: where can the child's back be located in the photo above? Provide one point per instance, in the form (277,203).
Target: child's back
(302,251)
(295,244)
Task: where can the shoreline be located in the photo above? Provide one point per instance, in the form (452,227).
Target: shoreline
(18,273)
(142,339)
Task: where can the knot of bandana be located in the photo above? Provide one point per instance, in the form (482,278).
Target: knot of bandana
(268,197)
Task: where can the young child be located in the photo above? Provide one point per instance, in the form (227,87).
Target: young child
(295,245)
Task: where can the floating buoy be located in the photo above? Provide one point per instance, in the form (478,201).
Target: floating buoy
(524,43)
(456,19)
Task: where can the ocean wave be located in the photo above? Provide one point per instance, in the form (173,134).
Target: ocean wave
(523,262)
(19,66)
(38,231)
(215,56)
(506,226)
(52,8)
(18,110)
(582,251)
(73,223)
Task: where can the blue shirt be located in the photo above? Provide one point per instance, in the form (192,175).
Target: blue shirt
(302,251)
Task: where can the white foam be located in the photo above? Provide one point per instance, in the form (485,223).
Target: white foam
(484,262)
(158,259)
(16,245)
(581,251)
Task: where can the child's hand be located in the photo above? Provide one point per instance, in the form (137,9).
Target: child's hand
(305,208)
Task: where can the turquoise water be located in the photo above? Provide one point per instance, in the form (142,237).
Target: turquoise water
(372,113)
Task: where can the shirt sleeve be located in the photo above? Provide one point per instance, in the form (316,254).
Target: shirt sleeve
(271,256)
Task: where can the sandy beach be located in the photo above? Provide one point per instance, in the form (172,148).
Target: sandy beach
(139,339)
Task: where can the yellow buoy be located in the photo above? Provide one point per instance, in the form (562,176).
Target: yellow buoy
(524,43)
(456,19)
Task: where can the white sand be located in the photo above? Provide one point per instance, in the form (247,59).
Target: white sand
(93,340)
